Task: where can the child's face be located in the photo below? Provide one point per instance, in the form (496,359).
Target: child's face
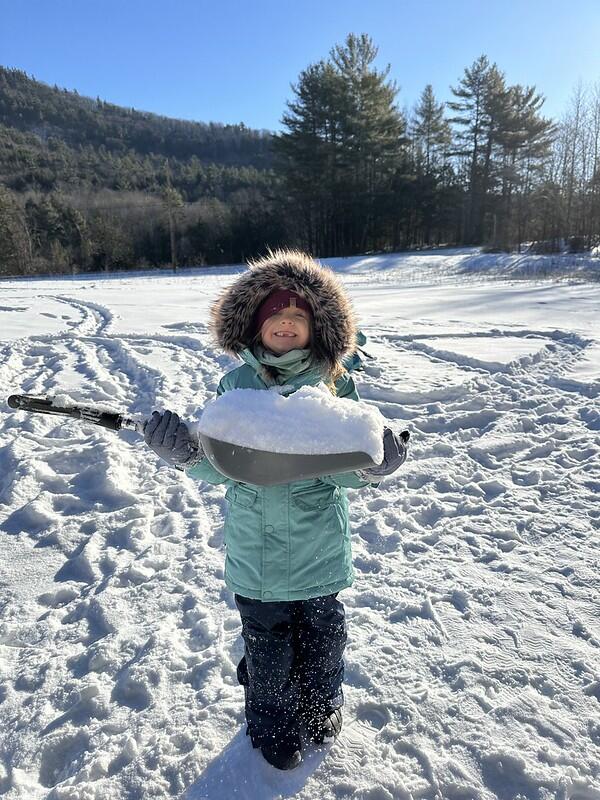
(288,329)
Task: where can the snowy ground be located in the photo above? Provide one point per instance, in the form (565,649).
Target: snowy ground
(473,663)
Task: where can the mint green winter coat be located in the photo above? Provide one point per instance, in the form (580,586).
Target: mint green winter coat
(286,542)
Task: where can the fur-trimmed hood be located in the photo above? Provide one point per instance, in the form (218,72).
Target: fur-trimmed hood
(333,321)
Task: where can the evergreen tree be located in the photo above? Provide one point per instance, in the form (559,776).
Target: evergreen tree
(430,131)
(309,153)
(471,108)
(372,138)
(525,142)
(503,141)
(431,137)
(341,148)
(15,241)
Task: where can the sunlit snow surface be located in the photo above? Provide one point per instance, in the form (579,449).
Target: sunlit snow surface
(473,660)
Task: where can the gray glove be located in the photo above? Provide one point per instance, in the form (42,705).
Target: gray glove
(394,454)
(171,439)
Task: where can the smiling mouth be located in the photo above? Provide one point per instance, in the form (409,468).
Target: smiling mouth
(286,335)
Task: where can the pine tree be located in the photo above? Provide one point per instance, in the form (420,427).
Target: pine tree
(373,137)
(341,148)
(471,108)
(503,140)
(15,242)
(525,142)
(431,137)
(430,131)
(309,153)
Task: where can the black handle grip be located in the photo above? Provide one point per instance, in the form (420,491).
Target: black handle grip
(45,405)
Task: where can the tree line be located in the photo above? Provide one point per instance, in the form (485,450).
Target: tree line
(85,185)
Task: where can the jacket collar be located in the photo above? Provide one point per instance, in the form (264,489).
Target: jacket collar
(310,377)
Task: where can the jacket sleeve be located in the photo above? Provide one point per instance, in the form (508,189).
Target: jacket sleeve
(349,480)
(204,470)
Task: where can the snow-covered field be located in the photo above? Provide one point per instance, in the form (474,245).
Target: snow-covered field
(473,663)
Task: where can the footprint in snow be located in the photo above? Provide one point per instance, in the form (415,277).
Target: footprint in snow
(57,599)
(374,715)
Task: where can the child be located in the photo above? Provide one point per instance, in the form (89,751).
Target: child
(288,546)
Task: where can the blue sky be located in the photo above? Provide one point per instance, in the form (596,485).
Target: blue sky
(233,61)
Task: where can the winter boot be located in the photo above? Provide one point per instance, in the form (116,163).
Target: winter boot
(285,753)
(324,729)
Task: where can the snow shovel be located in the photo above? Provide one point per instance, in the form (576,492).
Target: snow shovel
(245,464)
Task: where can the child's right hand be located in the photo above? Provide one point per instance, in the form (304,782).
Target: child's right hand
(171,440)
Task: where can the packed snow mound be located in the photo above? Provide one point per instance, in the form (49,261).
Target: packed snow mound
(310,421)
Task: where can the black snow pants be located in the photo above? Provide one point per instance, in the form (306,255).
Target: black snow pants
(293,667)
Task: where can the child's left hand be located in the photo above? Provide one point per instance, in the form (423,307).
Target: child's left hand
(394,453)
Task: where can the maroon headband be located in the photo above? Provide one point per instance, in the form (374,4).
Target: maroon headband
(276,301)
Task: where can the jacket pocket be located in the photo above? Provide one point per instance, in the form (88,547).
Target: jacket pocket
(317,537)
(243,534)
(241,495)
(242,517)
(316,497)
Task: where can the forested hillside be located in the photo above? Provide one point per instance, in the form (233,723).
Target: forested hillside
(88,185)
(52,113)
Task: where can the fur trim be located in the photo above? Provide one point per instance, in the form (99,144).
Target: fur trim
(333,332)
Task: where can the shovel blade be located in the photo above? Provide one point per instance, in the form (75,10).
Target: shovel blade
(263,468)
